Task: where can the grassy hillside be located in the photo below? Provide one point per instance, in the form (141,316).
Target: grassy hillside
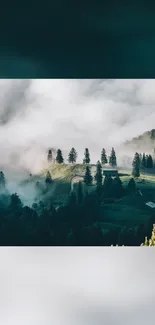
(64,171)
(62,176)
(129,210)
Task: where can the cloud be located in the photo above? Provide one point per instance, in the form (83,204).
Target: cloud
(38,114)
(76,286)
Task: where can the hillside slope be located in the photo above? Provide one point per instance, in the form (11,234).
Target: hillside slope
(143,143)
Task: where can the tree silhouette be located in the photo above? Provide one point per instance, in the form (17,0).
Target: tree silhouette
(131,185)
(59,157)
(49,157)
(16,202)
(112,159)
(149,162)
(98,175)
(136,165)
(72,156)
(104,159)
(143,161)
(2,181)
(48,178)
(87,156)
(88,177)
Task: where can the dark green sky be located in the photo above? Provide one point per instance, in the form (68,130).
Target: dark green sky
(68,39)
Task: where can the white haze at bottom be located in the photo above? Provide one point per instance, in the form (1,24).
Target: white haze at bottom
(69,286)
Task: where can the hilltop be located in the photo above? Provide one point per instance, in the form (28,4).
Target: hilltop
(144,142)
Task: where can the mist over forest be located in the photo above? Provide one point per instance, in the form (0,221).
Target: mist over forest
(41,115)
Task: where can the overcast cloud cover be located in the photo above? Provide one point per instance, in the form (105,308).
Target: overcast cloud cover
(38,114)
(66,286)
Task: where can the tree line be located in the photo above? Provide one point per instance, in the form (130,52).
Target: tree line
(141,162)
(72,157)
(79,221)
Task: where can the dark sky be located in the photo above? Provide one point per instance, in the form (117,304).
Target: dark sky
(98,39)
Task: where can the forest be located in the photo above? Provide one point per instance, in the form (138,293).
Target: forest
(101,210)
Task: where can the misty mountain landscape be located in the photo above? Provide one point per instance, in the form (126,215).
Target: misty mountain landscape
(77,164)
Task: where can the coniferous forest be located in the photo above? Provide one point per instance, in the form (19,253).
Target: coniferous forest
(103,207)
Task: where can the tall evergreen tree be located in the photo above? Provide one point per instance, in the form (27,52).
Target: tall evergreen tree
(136,165)
(112,159)
(143,162)
(131,185)
(140,158)
(104,159)
(87,156)
(107,185)
(48,178)
(88,177)
(49,157)
(59,157)
(2,180)
(72,156)
(98,175)
(80,194)
(117,187)
(16,202)
(149,162)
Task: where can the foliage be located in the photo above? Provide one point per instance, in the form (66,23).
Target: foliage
(88,177)
(143,161)
(131,185)
(98,175)
(149,162)
(136,165)
(112,159)
(49,157)
(48,178)
(2,181)
(72,156)
(59,157)
(86,156)
(104,159)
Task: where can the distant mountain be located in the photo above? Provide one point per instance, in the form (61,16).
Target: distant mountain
(143,143)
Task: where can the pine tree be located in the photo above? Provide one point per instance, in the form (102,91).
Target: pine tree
(72,156)
(59,157)
(88,177)
(2,180)
(49,157)
(15,202)
(140,158)
(131,185)
(112,159)
(48,178)
(136,165)
(87,156)
(143,162)
(107,185)
(104,159)
(98,175)
(149,162)
(80,194)
(117,187)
